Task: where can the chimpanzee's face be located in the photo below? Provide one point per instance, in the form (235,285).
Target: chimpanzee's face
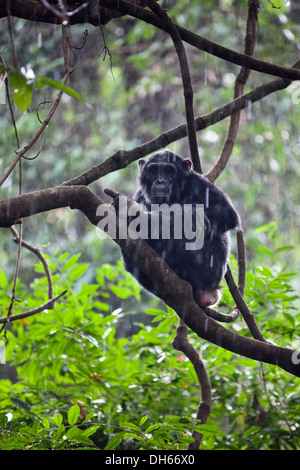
(161,178)
(160,174)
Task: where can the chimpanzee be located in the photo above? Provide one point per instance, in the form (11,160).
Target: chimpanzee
(166,178)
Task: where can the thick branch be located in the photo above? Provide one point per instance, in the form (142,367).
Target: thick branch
(175,292)
(35,11)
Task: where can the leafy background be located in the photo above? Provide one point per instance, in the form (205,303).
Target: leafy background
(99,370)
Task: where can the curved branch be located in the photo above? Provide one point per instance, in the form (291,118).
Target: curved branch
(181,343)
(35,11)
(239,86)
(186,80)
(40,256)
(241,305)
(122,158)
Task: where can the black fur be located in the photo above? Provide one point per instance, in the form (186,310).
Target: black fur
(167,178)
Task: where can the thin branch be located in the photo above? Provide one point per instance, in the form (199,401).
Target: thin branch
(221,317)
(37,135)
(40,256)
(48,305)
(181,343)
(12,42)
(241,305)
(186,80)
(122,158)
(11,110)
(239,86)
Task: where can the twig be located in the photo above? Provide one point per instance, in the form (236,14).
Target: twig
(222,317)
(11,110)
(40,256)
(12,42)
(48,305)
(36,136)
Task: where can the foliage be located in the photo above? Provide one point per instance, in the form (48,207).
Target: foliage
(91,374)
(82,385)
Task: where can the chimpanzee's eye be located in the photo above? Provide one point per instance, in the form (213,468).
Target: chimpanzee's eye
(170,170)
(152,169)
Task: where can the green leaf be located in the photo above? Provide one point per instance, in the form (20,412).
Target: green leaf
(122,292)
(131,426)
(36,427)
(91,430)
(73,414)
(143,420)
(46,423)
(71,262)
(22,92)
(73,433)
(155,311)
(247,363)
(58,419)
(153,427)
(3,280)
(206,429)
(21,404)
(115,441)
(160,443)
(41,81)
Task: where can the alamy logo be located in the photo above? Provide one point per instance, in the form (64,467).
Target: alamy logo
(2,94)
(179,222)
(295,88)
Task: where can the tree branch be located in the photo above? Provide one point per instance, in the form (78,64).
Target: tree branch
(182,343)
(38,253)
(34,11)
(175,292)
(186,80)
(239,86)
(22,151)
(48,305)
(122,158)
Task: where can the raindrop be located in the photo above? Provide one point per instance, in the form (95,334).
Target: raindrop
(207,197)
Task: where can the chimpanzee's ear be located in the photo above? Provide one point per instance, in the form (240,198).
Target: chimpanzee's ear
(189,163)
(141,163)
